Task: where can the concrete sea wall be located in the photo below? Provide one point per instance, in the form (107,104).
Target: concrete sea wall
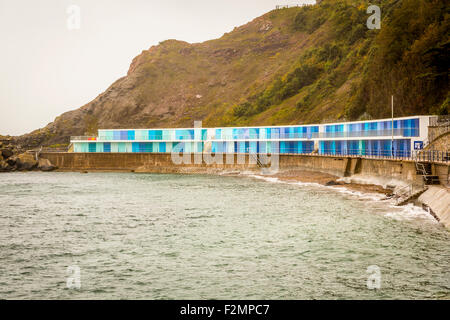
(402,170)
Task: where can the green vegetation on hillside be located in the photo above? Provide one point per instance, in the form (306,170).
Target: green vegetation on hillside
(407,58)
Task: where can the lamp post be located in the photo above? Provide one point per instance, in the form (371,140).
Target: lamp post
(392,125)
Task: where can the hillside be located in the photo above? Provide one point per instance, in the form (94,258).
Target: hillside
(298,65)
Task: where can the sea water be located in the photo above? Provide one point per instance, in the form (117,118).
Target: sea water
(155,236)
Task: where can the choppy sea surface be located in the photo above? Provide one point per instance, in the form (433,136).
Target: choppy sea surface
(154,236)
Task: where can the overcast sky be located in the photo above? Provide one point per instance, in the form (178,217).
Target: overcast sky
(47,69)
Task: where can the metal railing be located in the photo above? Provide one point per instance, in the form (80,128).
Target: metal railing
(420,156)
(439,126)
(157,137)
(431,156)
(54,150)
(386,154)
(405,191)
(440,121)
(286,6)
(404,132)
(83,138)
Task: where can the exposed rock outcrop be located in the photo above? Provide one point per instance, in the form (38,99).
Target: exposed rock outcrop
(11,159)
(6,153)
(4,166)
(45,165)
(7,163)
(25,162)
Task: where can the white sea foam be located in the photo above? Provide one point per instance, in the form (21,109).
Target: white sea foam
(406,212)
(360,195)
(307,184)
(410,212)
(380,181)
(265,178)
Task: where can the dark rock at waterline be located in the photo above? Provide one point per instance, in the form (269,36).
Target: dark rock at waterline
(45,165)
(11,161)
(26,166)
(6,153)
(48,168)
(333,183)
(4,166)
(23,162)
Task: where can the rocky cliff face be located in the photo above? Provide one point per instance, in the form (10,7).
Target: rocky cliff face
(297,65)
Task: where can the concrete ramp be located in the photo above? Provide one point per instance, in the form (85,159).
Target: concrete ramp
(438,200)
